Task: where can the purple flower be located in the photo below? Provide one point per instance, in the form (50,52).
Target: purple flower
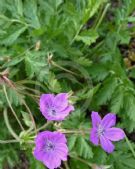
(102,131)
(55,107)
(51,148)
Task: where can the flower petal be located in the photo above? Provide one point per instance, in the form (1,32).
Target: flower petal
(96,119)
(94,137)
(109,120)
(62,152)
(46,100)
(51,161)
(61,101)
(61,115)
(59,137)
(38,154)
(106,144)
(67,110)
(114,134)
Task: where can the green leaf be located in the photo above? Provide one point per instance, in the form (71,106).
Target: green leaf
(57,3)
(129,162)
(83,61)
(88,37)
(106,91)
(30,10)
(13,96)
(100,156)
(117,100)
(124,37)
(72,141)
(129,102)
(83,148)
(53,83)
(131,19)
(99,71)
(27,119)
(19,5)
(36,65)
(9,40)
(29,67)
(92,8)
(12,62)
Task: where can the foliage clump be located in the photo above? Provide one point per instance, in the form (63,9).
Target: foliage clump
(84,48)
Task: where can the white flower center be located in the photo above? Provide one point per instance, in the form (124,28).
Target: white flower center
(100,130)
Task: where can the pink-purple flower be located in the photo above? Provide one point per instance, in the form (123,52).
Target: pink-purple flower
(103,132)
(55,107)
(51,148)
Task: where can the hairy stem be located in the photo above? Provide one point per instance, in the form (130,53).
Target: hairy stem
(12,132)
(66,165)
(77,33)
(62,68)
(8,141)
(43,127)
(31,116)
(74,131)
(102,16)
(19,122)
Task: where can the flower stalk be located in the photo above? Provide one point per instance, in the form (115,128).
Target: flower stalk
(14,113)
(12,132)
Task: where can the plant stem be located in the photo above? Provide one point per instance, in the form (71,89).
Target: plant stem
(5,92)
(9,126)
(82,160)
(130,146)
(66,165)
(74,131)
(31,116)
(44,126)
(102,16)
(31,82)
(66,70)
(8,141)
(76,34)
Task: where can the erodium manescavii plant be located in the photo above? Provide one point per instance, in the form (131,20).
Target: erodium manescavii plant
(62,61)
(51,147)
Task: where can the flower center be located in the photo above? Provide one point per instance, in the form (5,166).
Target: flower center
(49,146)
(52,112)
(100,130)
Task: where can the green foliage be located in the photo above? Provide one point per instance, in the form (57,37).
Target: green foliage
(72,141)
(83,148)
(33,163)
(120,159)
(117,100)
(69,46)
(88,37)
(8,156)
